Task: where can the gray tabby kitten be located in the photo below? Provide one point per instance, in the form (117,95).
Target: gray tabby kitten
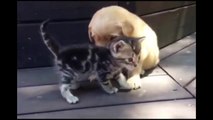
(78,62)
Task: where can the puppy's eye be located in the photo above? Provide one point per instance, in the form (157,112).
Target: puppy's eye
(139,57)
(112,37)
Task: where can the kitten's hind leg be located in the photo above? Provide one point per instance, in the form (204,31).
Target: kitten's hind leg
(74,85)
(65,92)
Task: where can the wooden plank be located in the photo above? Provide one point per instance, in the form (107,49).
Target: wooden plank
(41,10)
(189,2)
(169,24)
(153,88)
(31,50)
(165,25)
(175,47)
(147,7)
(187,23)
(181,66)
(156,71)
(58,10)
(152,110)
(37,76)
(49,75)
(192,87)
(33,53)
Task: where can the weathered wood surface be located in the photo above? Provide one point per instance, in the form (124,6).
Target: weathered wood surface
(160,96)
(154,88)
(181,65)
(154,110)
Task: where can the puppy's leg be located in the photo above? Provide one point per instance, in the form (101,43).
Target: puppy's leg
(134,80)
(150,51)
(123,82)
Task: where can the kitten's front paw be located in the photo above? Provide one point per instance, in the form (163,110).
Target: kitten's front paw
(115,89)
(134,82)
(112,90)
(72,99)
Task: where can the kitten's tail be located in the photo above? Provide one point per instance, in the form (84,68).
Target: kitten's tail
(51,44)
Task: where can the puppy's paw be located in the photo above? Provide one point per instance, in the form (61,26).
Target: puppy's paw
(134,82)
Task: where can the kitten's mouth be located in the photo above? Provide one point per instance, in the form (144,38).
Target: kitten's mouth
(135,65)
(132,62)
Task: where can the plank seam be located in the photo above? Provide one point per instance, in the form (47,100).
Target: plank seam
(177,51)
(163,100)
(177,82)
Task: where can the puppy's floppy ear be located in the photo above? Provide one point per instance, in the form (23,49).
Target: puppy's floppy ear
(127,28)
(94,38)
(118,45)
(117,31)
(90,35)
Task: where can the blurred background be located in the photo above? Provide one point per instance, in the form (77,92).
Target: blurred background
(171,20)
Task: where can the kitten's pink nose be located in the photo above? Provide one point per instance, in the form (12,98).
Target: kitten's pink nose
(130,60)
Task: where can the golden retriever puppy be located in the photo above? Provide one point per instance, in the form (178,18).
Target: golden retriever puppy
(113,21)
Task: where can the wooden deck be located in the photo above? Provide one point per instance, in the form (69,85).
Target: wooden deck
(168,92)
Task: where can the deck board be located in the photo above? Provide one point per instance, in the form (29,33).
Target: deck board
(192,87)
(163,109)
(175,47)
(36,76)
(181,66)
(153,88)
(160,96)
(49,75)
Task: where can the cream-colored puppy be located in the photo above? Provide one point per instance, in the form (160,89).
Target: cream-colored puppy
(112,21)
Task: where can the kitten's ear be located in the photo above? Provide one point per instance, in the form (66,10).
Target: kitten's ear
(118,45)
(140,39)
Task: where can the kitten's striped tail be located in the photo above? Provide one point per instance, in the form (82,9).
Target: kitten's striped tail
(51,44)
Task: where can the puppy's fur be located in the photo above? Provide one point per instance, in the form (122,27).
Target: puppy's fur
(112,21)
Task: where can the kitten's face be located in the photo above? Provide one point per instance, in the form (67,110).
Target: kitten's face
(125,51)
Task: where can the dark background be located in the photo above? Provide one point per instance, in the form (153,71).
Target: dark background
(171,21)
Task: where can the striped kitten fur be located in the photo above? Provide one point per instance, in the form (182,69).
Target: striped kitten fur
(84,61)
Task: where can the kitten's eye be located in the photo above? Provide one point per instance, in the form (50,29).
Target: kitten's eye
(129,60)
(133,48)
